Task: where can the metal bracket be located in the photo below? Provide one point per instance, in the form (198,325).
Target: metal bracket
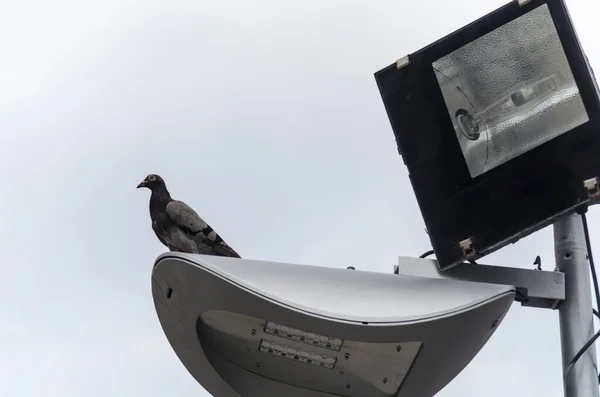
(535,288)
(402,62)
(593,188)
(466,246)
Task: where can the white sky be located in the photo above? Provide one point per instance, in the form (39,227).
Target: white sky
(265,117)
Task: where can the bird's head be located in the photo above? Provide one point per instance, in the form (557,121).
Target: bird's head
(152,182)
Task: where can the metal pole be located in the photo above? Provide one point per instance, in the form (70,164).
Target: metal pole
(575,313)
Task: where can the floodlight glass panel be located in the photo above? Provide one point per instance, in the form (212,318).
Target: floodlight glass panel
(510,91)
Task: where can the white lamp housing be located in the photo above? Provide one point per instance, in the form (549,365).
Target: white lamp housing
(246,328)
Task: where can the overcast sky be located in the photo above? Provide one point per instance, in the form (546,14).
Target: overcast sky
(265,117)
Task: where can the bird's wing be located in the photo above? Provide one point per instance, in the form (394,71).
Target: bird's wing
(188,220)
(185,217)
(223,249)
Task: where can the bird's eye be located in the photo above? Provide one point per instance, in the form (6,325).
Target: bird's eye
(151,178)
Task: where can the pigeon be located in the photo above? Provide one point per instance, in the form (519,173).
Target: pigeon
(178,226)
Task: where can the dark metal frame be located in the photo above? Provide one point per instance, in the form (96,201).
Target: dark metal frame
(512,200)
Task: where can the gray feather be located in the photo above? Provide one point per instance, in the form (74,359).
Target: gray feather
(193,225)
(185,216)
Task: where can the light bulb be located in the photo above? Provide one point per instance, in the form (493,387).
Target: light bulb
(516,103)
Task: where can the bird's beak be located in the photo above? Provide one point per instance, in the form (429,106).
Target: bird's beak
(142,184)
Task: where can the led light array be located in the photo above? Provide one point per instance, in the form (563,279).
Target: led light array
(317,359)
(303,336)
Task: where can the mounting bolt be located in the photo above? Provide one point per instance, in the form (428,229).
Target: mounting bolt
(466,246)
(402,62)
(523,2)
(593,188)
(495,323)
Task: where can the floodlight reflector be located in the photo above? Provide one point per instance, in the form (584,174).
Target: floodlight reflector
(303,336)
(510,91)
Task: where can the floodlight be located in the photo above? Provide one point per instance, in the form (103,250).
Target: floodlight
(246,328)
(498,124)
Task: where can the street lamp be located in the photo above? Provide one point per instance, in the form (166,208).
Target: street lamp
(498,124)
(246,328)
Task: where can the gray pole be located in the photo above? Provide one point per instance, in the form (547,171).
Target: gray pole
(576,321)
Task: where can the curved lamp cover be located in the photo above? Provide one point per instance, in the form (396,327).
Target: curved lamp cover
(246,328)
